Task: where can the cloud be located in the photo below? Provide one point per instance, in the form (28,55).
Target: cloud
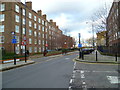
(70,14)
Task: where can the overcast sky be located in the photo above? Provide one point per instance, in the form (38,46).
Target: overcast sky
(70,14)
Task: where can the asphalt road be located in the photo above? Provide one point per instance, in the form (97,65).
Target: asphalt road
(45,73)
(89,75)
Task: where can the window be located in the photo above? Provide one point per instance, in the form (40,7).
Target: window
(1,28)
(35,26)
(35,41)
(30,41)
(16,28)
(43,22)
(23,31)
(2,17)
(39,34)
(1,39)
(30,49)
(2,7)
(17,37)
(35,33)
(24,21)
(35,49)
(38,27)
(23,11)
(30,15)
(39,49)
(17,8)
(42,28)
(39,42)
(17,49)
(39,20)
(16,18)
(34,18)
(43,35)
(30,24)
(30,32)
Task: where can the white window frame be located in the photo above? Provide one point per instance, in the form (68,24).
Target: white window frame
(30,15)
(17,28)
(30,32)
(35,33)
(18,39)
(39,21)
(17,18)
(2,7)
(23,21)
(35,49)
(17,8)
(23,31)
(35,18)
(30,41)
(30,49)
(23,12)
(2,17)
(30,24)
(2,27)
(35,42)
(39,27)
(35,25)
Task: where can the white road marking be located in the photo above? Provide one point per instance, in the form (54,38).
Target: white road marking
(83,83)
(82,71)
(82,76)
(113,79)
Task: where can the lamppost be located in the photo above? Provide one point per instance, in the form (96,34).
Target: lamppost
(93,44)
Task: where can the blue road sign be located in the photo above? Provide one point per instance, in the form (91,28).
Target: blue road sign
(14,41)
(79,45)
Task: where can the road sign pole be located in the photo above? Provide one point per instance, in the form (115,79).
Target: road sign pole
(79,48)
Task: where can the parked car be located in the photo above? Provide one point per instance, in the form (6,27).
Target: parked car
(87,50)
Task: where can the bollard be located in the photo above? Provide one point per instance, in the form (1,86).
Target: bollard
(82,55)
(116,57)
(96,56)
(14,60)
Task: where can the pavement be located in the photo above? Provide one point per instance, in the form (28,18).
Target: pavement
(10,65)
(91,58)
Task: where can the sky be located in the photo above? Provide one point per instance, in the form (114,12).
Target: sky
(71,15)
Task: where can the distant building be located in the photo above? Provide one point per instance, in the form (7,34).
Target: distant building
(31,29)
(101,38)
(113,28)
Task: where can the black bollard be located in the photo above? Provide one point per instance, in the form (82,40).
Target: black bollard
(116,57)
(14,60)
(82,55)
(96,56)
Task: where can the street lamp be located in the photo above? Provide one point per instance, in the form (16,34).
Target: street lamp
(92,32)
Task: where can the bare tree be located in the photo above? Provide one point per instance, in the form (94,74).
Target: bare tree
(99,17)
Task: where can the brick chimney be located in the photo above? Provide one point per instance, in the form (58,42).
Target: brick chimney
(54,23)
(44,16)
(51,21)
(29,4)
(39,12)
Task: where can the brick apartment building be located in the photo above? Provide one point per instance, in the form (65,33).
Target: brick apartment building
(113,28)
(30,27)
(101,38)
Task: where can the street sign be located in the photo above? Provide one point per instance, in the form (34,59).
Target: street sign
(46,45)
(14,41)
(79,45)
